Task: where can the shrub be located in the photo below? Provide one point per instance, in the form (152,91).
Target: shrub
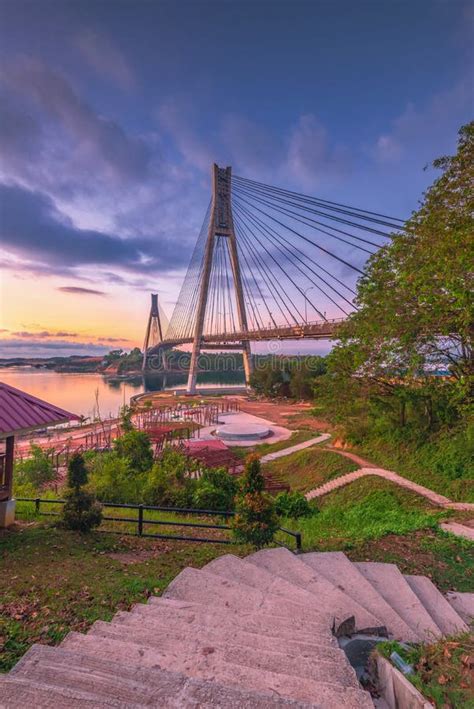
(37,470)
(293,505)
(126,419)
(113,480)
(169,483)
(76,472)
(255,521)
(135,446)
(81,511)
(216,490)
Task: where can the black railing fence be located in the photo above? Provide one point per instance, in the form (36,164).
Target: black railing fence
(141,521)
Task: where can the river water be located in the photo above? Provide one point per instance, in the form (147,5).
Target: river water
(81,393)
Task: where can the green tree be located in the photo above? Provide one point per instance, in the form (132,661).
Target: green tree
(169,481)
(81,511)
(415,311)
(37,469)
(215,490)
(270,379)
(76,472)
(126,422)
(255,521)
(113,479)
(136,447)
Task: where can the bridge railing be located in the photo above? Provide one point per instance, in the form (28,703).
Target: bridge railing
(270,332)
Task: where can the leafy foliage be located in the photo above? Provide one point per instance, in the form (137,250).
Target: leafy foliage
(287,376)
(113,479)
(37,470)
(135,446)
(215,490)
(168,482)
(81,512)
(293,505)
(415,319)
(76,472)
(255,521)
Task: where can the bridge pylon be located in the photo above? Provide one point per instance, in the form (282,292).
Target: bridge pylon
(154,331)
(221,224)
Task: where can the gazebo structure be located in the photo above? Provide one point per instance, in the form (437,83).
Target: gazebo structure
(20,413)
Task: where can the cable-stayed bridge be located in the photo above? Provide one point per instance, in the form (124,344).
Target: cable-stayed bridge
(268,264)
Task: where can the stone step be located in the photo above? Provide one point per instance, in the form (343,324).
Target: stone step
(238,570)
(207,666)
(263,624)
(277,659)
(319,646)
(24,693)
(207,589)
(338,569)
(444,615)
(463,604)
(389,582)
(328,596)
(56,669)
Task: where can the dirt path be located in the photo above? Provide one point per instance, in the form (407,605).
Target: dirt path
(352,456)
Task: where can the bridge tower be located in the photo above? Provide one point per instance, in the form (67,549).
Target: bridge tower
(154,332)
(221,224)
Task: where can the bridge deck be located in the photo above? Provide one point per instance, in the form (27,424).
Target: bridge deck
(316,331)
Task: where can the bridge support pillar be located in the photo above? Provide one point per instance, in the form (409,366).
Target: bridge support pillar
(154,332)
(221,224)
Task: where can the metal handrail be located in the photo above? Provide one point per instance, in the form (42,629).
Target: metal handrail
(140,521)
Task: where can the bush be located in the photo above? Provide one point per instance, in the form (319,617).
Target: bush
(169,483)
(37,470)
(135,446)
(81,511)
(216,490)
(113,480)
(255,521)
(293,505)
(76,472)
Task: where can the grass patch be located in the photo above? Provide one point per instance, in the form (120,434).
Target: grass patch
(264,448)
(53,581)
(309,468)
(444,464)
(367,509)
(374,520)
(445,559)
(443,671)
(26,511)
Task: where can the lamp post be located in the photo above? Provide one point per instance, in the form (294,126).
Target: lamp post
(306,303)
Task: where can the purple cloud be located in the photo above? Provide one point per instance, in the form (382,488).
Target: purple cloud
(80,291)
(31,225)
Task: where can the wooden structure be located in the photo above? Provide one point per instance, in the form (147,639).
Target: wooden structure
(20,413)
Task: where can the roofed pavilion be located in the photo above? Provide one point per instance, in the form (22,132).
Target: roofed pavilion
(20,413)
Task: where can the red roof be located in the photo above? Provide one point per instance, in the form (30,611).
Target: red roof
(206,445)
(20,411)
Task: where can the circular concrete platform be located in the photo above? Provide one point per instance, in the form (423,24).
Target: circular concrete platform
(244,431)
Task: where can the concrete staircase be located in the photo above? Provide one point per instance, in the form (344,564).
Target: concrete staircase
(257,633)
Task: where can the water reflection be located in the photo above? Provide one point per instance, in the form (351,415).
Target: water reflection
(88,394)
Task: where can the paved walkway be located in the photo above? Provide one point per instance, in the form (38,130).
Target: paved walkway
(460,530)
(433,497)
(294,449)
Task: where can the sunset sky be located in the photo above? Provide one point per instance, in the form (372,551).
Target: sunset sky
(112,113)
